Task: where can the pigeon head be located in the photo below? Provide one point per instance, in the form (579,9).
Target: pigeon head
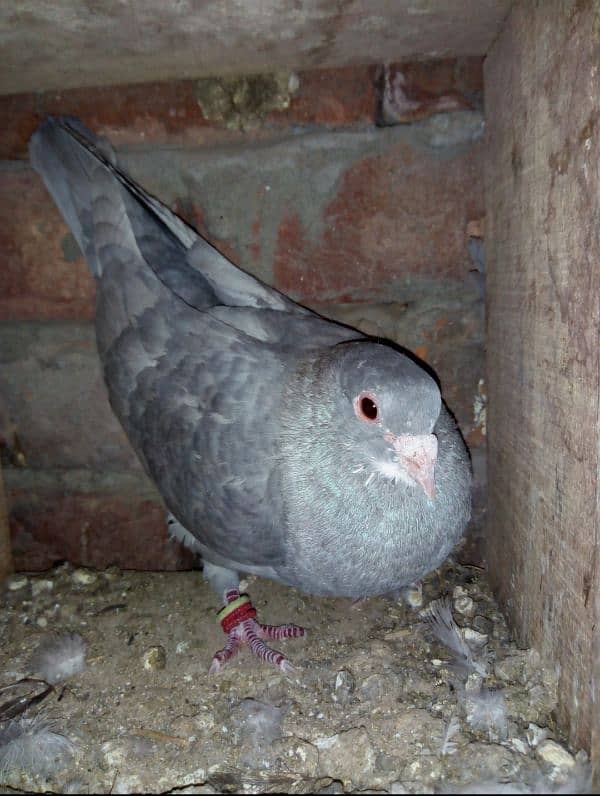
(390,407)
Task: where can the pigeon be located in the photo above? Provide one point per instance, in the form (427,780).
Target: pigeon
(283,444)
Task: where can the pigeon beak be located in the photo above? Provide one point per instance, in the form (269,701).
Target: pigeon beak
(417,454)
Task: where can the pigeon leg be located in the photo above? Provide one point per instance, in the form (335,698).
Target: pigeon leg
(237,619)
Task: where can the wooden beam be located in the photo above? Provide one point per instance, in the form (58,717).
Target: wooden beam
(6,563)
(542,79)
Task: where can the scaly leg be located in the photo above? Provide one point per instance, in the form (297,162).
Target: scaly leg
(238,621)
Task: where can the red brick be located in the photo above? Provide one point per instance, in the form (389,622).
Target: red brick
(36,280)
(169,113)
(92,530)
(415,90)
(463,75)
(333,98)
(152,113)
(395,214)
(53,398)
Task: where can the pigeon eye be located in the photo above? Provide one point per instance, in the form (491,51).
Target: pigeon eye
(366,408)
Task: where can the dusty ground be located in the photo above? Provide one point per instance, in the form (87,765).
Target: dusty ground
(371,701)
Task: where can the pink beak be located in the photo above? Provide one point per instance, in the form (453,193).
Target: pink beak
(418,455)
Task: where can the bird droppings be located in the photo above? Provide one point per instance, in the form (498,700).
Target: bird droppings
(413,595)
(465,606)
(242,103)
(376,701)
(84,577)
(41,585)
(16,582)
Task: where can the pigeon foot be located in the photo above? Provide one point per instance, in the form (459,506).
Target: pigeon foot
(238,621)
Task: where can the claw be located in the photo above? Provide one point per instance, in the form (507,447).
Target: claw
(249,632)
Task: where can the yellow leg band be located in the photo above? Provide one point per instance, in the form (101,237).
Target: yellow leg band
(231,607)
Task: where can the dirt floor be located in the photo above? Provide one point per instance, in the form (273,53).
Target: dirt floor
(377,703)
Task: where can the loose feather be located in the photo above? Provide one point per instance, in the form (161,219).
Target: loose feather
(438,616)
(32,744)
(486,712)
(580,781)
(58,658)
(448,746)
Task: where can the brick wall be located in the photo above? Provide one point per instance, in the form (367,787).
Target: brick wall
(289,176)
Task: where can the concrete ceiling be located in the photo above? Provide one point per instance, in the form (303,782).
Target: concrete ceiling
(59,44)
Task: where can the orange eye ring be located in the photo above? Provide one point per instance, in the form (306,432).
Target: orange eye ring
(365,408)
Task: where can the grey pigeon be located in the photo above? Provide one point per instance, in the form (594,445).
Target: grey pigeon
(283,444)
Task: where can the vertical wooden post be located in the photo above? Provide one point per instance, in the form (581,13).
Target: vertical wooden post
(542,79)
(6,564)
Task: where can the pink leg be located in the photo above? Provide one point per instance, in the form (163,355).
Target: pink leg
(251,633)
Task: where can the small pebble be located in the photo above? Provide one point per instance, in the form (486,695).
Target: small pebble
(483,625)
(413,595)
(373,688)
(510,669)
(16,582)
(155,658)
(500,632)
(465,606)
(84,577)
(112,573)
(473,637)
(474,683)
(398,635)
(344,686)
(519,746)
(40,586)
(535,735)
(553,754)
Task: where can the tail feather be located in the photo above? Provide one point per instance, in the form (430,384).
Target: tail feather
(67,173)
(93,195)
(114,219)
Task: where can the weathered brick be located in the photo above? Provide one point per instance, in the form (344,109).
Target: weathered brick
(156,114)
(333,98)
(55,399)
(326,217)
(42,274)
(415,90)
(395,214)
(95,530)
(335,216)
